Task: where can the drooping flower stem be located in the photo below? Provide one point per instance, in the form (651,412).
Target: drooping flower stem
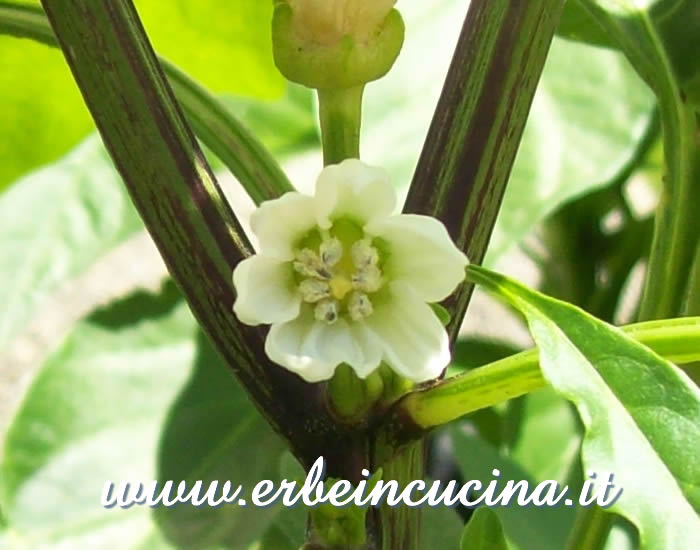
(340,112)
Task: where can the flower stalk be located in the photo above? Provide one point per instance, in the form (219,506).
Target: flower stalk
(677,340)
(340,113)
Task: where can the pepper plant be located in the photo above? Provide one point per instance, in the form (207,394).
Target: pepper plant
(336,332)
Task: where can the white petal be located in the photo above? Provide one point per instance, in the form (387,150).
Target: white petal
(314,349)
(414,341)
(421,254)
(265,291)
(355,190)
(279,223)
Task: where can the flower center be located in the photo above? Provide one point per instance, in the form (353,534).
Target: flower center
(339,278)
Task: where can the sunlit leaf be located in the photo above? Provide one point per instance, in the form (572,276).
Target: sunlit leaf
(587,119)
(483,532)
(109,404)
(526,527)
(226,47)
(53,225)
(641,413)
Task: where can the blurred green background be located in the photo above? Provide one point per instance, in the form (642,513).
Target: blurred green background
(103,372)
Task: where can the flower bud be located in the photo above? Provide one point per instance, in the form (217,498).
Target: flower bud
(336,44)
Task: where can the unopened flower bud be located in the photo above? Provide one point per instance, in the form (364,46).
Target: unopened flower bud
(336,44)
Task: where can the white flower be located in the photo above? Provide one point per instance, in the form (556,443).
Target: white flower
(343,280)
(328,21)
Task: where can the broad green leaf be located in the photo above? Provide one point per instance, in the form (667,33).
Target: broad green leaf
(53,225)
(94,413)
(114,402)
(525,527)
(577,23)
(676,22)
(441,528)
(43,115)
(588,117)
(484,532)
(214,433)
(547,438)
(225,47)
(286,126)
(641,413)
(287,531)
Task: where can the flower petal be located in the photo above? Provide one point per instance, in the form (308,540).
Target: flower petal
(414,341)
(265,291)
(313,349)
(421,254)
(279,223)
(355,190)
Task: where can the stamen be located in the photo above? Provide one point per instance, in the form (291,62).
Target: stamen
(367,279)
(331,251)
(313,290)
(309,264)
(327,310)
(359,306)
(364,254)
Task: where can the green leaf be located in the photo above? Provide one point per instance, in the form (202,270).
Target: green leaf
(441,528)
(36,128)
(109,404)
(227,48)
(547,438)
(526,527)
(94,413)
(576,23)
(641,413)
(214,433)
(483,532)
(285,126)
(589,114)
(54,225)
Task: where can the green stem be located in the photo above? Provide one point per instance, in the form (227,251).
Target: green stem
(241,152)
(677,340)
(340,112)
(475,134)
(591,529)
(182,206)
(677,234)
(400,527)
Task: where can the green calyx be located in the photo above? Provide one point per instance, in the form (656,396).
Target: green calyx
(345,63)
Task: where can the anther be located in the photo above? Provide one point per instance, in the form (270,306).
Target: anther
(331,251)
(308,264)
(359,306)
(367,279)
(363,254)
(326,310)
(313,290)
